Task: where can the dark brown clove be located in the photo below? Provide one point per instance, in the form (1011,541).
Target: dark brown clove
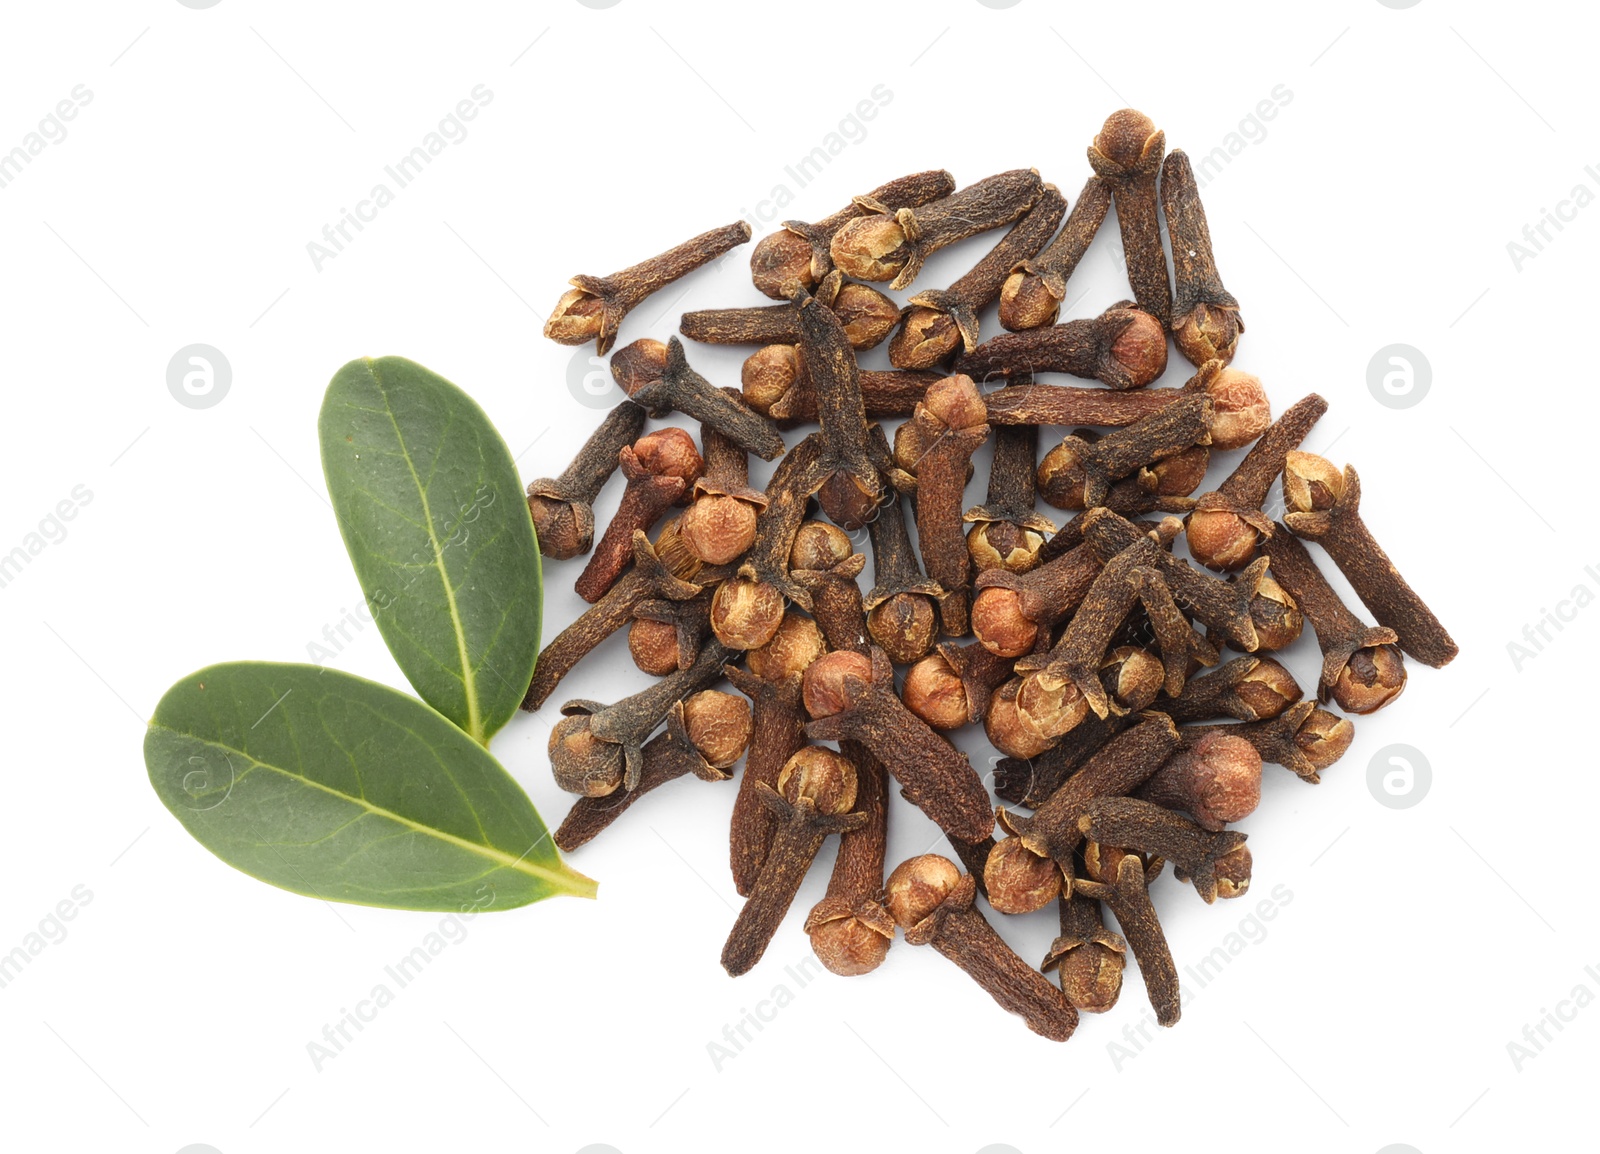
(1205,316)
(562,507)
(1011,609)
(597,748)
(1216,781)
(1008,533)
(667,635)
(1361,667)
(850,696)
(1033,293)
(1078,473)
(1304,739)
(1276,616)
(936,447)
(705,735)
(665,570)
(1339,529)
(938,321)
(1029,714)
(850,929)
(720,524)
(902,608)
(772,683)
(1127,156)
(824,562)
(593,309)
(1217,864)
(658,377)
(1122,347)
(796,256)
(775,383)
(1129,899)
(867,315)
(659,468)
(932,902)
(951,687)
(851,487)
(1246,688)
(813,799)
(892,244)
(1087,958)
(1226,524)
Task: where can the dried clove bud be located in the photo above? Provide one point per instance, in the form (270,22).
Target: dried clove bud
(1122,347)
(1129,900)
(932,902)
(1033,292)
(667,635)
(1127,156)
(1217,780)
(1338,528)
(659,467)
(1010,610)
(849,928)
(867,315)
(826,564)
(1087,957)
(1276,616)
(720,525)
(1077,474)
(593,309)
(658,377)
(815,793)
(1218,864)
(562,507)
(851,487)
(937,321)
(902,606)
(892,245)
(1008,533)
(1304,738)
(775,383)
(796,256)
(952,686)
(1246,688)
(1205,316)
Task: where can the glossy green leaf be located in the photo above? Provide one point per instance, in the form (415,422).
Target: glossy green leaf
(339,788)
(437,527)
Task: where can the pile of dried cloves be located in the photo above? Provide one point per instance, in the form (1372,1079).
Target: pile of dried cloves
(1089,638)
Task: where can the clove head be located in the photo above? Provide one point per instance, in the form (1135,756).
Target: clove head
(1209,332)
(866,314)
(1177,475)
(768,375)
(1019,881)
(1311,484)
(870,248)
(1276,616)
(782,262)
(718,725)
(836,682)
(1026,302)
(999,623)
(1217,780)
(636,365)
(581,762)
(934,691)
(1269,689)
(821,776)
(1233,872)
(904,625)
(1240,411)
(576,318)
(919,886)
(819,545)
(1219,538)
(669,453)
(1013,730)
(795,644)
(1125,137)
(926,337)
(1101,861)
(1374,676)
(565,528)
(1004,545)
(847,500)
(719,528)
(1141,347)
(653,645)
(1323,737)
(845,943)
(746,613)
(1132,677)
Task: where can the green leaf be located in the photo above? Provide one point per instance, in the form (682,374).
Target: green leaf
(339,788)
(437,527)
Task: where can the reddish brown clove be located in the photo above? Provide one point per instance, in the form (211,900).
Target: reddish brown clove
(1011,609)
(1087,958)
(796,256)
(720,525)
(938,321)
(824,562)
(775,383)
(562,507)
(1127,156)
(659,467)
(667,635)
(932,902)
(1008,533)
(1217,864)
(892,245)
(867,315)
(1339,529)
(951,687)
(1304,739)
(658,377)
(1216,781)
(850,929)
(1122,347)
(852,486)
(593,309)
(1033,293)
(1078,473)
(1129,900)
(1246,688)
(850,696)
(902,608)
(815,794)
(1205,316)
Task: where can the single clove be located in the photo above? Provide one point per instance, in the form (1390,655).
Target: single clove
(1226,524)
(938,321)
(1205,316)
(1033,293)
(1078,473)
(1361,667)
(852,487)
(1216,781)
(659,468)
(1087,958)
(1011,609)
(1127,155)
(1304,739)
(850,929)
(936,447)
(892,245)
(772,683)
(1246,689)
(720,524)
(1122,347)
(667,635)
(1217,864)
(951,687)
(705,735)
(658,377)
(826,565)
(931,900)
(594,307)
(867,315)
(1309,483)
(815,793)
(1129,899)
(902,608)
(850,696)
(1008,533)
(796,256)
(563,507)
(775,383)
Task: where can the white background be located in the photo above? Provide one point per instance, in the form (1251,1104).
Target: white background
(1375,208)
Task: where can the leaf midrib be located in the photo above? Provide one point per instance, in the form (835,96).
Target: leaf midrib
(562,880)
(469,680)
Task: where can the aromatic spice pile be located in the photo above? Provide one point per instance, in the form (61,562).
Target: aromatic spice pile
(1095,657)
